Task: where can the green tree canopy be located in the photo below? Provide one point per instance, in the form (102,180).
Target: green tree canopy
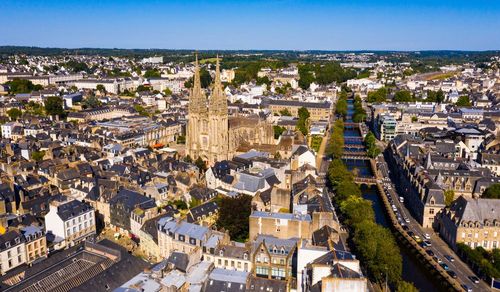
(37,155)
(403,96)
(378,250)
(463,101)
(91,102)
(380,95)
(357,210)
(152,73)
(449,196)
(285,112)
(302,122)
(14,113)
(22,86)
(404,286)
(54,106)
(278,131)
(205,79)
(100,88)
(234,216)
(492,192)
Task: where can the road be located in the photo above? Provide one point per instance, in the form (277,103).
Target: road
(438,246)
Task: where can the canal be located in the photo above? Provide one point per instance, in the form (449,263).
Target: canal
(413,271)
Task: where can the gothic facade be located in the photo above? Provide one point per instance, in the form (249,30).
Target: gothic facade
(208,127)
(211,134)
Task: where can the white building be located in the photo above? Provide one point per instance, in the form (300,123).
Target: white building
(70,222)
(7,129)
(12,251)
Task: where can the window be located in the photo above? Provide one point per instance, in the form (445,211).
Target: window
(220,262)
(463,234)
(494,244)
(262,271)
(431,211)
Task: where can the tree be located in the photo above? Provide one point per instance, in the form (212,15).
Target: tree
(302,122)
(153,73)
(22,86)
(346,189)
(285,112)
(338,172)
(463,101)
(492,192)
(101,88)
(14,113)
(142,88)
(54,106)
(188,159)
(180,204)
(141,110)
(278,131)
(234,216)
(378,250)
(202,166)
(306,77)
(205,79)
(194,203)
(167,91)
(380,95)
(403,96)
(404,286)
(341,107)
(357,210)
(449,196)
(263,80)
(37,155)
(91,102)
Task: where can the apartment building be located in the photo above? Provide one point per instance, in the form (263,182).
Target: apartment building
(71,222)
(475,222)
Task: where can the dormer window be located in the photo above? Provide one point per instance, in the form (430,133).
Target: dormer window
(245,256)
(17,240)
(221,253)
(282,251)
(7,244)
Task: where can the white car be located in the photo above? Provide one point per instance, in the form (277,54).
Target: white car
(427,236)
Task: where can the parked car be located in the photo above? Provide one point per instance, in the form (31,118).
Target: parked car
(438,260)
(427,236)
(417,238)
(466,288)
(430,252)
(406,228)
(410,233)
(445,266)
(427,243)
(474,279)
(449,257)
(452,274)
(407,220)
(401,199)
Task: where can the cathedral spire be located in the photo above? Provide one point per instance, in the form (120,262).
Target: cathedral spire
(197,100)
(218,100)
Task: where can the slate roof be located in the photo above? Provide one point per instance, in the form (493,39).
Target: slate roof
(207,209)
(475,210)
(70,209)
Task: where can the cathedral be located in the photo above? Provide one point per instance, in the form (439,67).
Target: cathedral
(211,134)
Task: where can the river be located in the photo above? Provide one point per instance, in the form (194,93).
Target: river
(413,271)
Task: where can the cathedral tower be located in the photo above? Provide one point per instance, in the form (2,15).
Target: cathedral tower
(207,130)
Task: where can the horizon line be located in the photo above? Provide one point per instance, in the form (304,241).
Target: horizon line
(250,50)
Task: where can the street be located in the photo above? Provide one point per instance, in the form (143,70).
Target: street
(438,246)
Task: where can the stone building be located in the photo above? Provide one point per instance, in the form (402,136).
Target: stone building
(475,222)
(211,134)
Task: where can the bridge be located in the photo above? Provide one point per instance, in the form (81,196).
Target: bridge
(355,157)
(354,146)
(366,180)
(353,138)
(355,153)
(348,124)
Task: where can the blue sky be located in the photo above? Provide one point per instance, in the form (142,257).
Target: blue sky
(261,24)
